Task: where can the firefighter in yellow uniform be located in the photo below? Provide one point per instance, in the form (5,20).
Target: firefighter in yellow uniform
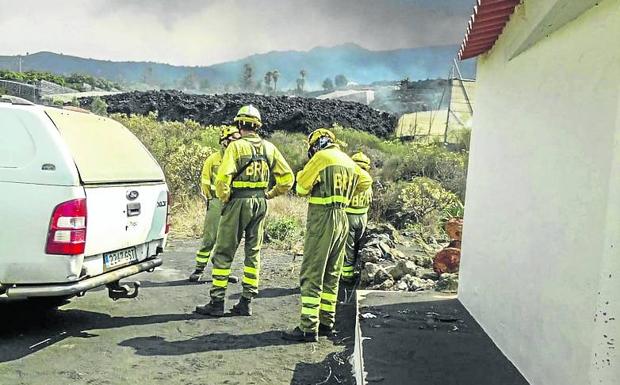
(330,179)
(241,184)
(214,205)
(357,214)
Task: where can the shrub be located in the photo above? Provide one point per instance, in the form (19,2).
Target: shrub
(286,222)
(99,106)
(460,138)
(424,198)
(431,161)
(422,204)
(386,201)
(183,169)
(282,228)
(178,148)
(293,147)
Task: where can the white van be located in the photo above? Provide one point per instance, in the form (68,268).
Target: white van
(82,203)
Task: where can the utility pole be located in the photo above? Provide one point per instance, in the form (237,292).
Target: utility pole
(19,57)
(445,133)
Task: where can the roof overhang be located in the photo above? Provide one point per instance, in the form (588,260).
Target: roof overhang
(485,25)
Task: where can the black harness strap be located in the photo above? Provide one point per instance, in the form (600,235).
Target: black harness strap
(256,157)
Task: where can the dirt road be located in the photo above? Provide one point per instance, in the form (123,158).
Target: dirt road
(156,339)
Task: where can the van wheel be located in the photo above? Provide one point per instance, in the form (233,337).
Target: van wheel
(49,303)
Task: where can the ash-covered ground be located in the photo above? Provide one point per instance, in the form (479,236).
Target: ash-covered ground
(293,114)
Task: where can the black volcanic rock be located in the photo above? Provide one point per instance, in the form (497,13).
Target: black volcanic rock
(294,114)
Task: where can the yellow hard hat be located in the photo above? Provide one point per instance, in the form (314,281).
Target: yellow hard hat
(249,114)
(362,160)
(227,131)
(319,133)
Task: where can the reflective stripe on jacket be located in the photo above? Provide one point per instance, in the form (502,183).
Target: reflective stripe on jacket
(331,178)
(256,174)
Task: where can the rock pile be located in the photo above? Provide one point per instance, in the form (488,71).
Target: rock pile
(295,114)
(387,268)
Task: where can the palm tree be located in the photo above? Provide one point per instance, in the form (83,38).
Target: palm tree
(275,74)
(268,79)
(303,74)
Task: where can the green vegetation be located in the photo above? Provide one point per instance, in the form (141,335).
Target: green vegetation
(341,81)
(301,81)
(417,185)
(78,82)
(32,77)
(179,147)
(247,77)
(328,84)
(97,106)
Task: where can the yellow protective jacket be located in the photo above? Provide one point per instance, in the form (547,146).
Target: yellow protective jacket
(331,178)
(256,175)
(209,171)
(360,201)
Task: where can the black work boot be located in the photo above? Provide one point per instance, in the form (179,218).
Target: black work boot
(213,308)
(326,331)
(298,335)
(196,275)
(243,307)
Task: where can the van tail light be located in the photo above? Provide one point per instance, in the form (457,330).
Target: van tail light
(67,231)
(168,212)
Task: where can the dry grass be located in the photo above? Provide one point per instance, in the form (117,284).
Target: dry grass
(188,217)
(288,206)
(286,222)
(286,214)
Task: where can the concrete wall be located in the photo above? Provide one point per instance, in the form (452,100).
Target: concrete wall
(541,249)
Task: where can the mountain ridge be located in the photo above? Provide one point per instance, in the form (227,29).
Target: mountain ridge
(358,64)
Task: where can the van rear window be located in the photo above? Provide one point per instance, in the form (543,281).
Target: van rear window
(104,150)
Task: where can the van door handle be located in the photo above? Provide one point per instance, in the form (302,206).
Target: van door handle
(133,209)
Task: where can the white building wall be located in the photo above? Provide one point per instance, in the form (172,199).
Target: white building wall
(541,249)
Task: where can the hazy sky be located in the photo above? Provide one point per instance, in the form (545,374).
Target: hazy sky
(202,32)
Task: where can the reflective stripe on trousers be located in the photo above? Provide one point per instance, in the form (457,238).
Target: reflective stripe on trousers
(241,218)
(348,271)
(220,277)
(250,276)
(320,269)
(202,257)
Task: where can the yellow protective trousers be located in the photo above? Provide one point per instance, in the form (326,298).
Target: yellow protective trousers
(324,247)
(357,227)
(241,217)
(209,235)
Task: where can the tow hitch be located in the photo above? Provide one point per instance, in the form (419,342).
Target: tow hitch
(117,291)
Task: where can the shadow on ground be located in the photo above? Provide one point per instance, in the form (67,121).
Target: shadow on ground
(336,367)
(272,292)
(178,282)
(158,346)
(28,328)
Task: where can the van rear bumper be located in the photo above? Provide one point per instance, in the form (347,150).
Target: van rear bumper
(69,289)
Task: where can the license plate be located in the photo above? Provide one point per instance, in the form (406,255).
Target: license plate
(119,258)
